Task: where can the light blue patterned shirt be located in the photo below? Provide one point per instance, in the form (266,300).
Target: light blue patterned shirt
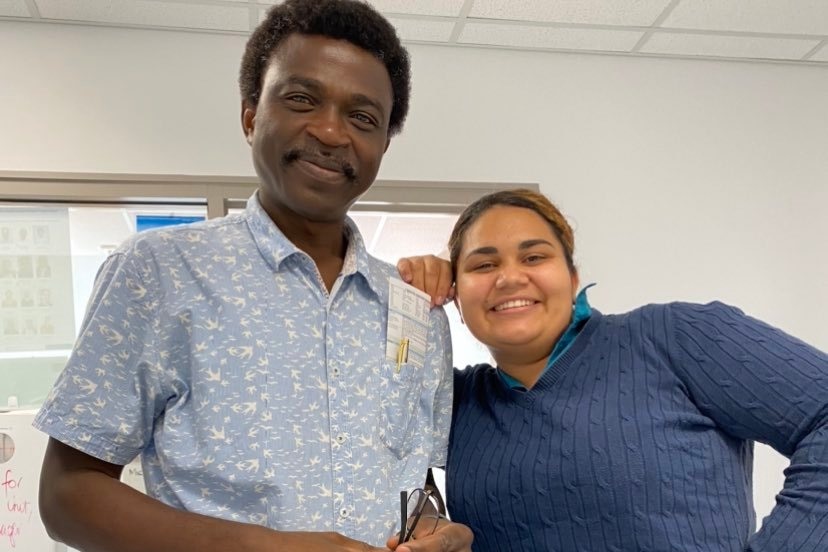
(215,351)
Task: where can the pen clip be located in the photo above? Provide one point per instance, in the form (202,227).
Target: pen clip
(402,353)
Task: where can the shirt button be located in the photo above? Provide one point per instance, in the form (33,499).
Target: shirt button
(336,372)
(341,438)
(343,513)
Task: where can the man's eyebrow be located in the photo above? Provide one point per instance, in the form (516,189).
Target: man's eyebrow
(315,86)
(305,82)
(362,99)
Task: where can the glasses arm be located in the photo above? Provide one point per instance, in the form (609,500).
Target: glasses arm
(431,485)
(421,507)
(403,515)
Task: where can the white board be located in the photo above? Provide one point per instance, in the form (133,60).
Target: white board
(21,454)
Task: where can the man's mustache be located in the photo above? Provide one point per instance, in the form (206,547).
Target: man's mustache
(318,158)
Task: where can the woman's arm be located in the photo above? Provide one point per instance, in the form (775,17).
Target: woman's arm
(758,383)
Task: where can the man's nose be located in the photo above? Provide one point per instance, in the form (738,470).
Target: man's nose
(328,127)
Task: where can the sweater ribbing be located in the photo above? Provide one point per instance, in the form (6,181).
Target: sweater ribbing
(640,438)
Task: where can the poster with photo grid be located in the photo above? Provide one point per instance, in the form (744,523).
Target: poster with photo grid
(36,303)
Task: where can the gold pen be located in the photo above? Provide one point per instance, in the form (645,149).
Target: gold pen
(402,353)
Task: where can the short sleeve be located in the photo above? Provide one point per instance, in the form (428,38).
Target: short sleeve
(439,359)
(108,395)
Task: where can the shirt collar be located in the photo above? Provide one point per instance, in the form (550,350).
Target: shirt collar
(275,247)
(581,311)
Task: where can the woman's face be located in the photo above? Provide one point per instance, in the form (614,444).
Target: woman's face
(514,287)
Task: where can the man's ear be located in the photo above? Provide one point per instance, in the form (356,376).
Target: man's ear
(248,120)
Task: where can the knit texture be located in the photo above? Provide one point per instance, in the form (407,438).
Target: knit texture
(640,439)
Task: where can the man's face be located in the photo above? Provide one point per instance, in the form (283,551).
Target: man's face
(320,129)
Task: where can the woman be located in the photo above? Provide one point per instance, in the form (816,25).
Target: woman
(628,432)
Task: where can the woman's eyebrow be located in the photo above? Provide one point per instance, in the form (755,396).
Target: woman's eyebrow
(486,250)
(526,244)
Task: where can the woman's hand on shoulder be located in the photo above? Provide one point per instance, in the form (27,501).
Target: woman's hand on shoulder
(429,274)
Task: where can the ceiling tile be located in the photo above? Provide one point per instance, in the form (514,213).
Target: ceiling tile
(148,13)
(422,30)
(599,12)
(821,54)
(14,8)
(524,36)
(761,16)
(396,239)
(368,224)
(727,46)
(450,8)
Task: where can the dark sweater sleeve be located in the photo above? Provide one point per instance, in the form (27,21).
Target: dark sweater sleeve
(756,382)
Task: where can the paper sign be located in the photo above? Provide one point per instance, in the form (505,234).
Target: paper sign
(408,315)
(21,451)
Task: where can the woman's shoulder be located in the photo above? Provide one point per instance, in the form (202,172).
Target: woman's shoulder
(667,312)
(473,375)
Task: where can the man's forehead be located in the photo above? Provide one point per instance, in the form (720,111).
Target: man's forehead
(303,46)
(318,61)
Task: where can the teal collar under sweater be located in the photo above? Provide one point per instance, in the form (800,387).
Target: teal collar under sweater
(581,311)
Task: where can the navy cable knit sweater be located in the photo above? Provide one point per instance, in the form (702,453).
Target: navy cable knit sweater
(639,438)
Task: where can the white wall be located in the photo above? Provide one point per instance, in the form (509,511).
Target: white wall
(685,179)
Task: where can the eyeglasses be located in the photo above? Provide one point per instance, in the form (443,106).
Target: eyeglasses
(420,510)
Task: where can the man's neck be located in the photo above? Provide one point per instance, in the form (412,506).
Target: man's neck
(325,242)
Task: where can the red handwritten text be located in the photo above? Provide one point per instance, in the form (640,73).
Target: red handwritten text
(9,483)
(19,508)
(10,531)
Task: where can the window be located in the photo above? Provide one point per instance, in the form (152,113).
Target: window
(56,230)
(49,255)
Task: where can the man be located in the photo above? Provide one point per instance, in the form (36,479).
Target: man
(244,358)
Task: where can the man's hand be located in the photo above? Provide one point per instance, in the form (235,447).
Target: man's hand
(321,542)
(447,537)
(429,274)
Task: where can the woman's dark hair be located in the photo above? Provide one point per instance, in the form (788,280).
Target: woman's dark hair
(518,197)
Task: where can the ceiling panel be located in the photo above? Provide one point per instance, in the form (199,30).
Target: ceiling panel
(397,240)
(764,30)
(761,16)
(446,8)
(423,30)
(14,8)
(601,12)
(148,13)
(728,46)
(369,224)
(450,8)
(821,54)
(524,36)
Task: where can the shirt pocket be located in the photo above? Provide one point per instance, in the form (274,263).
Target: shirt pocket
(400,414)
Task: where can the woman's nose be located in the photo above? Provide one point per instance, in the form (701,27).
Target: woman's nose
(510,275)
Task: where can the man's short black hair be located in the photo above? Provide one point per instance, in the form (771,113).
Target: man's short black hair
(350,20)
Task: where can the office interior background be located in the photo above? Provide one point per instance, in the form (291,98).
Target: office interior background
(687,141)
